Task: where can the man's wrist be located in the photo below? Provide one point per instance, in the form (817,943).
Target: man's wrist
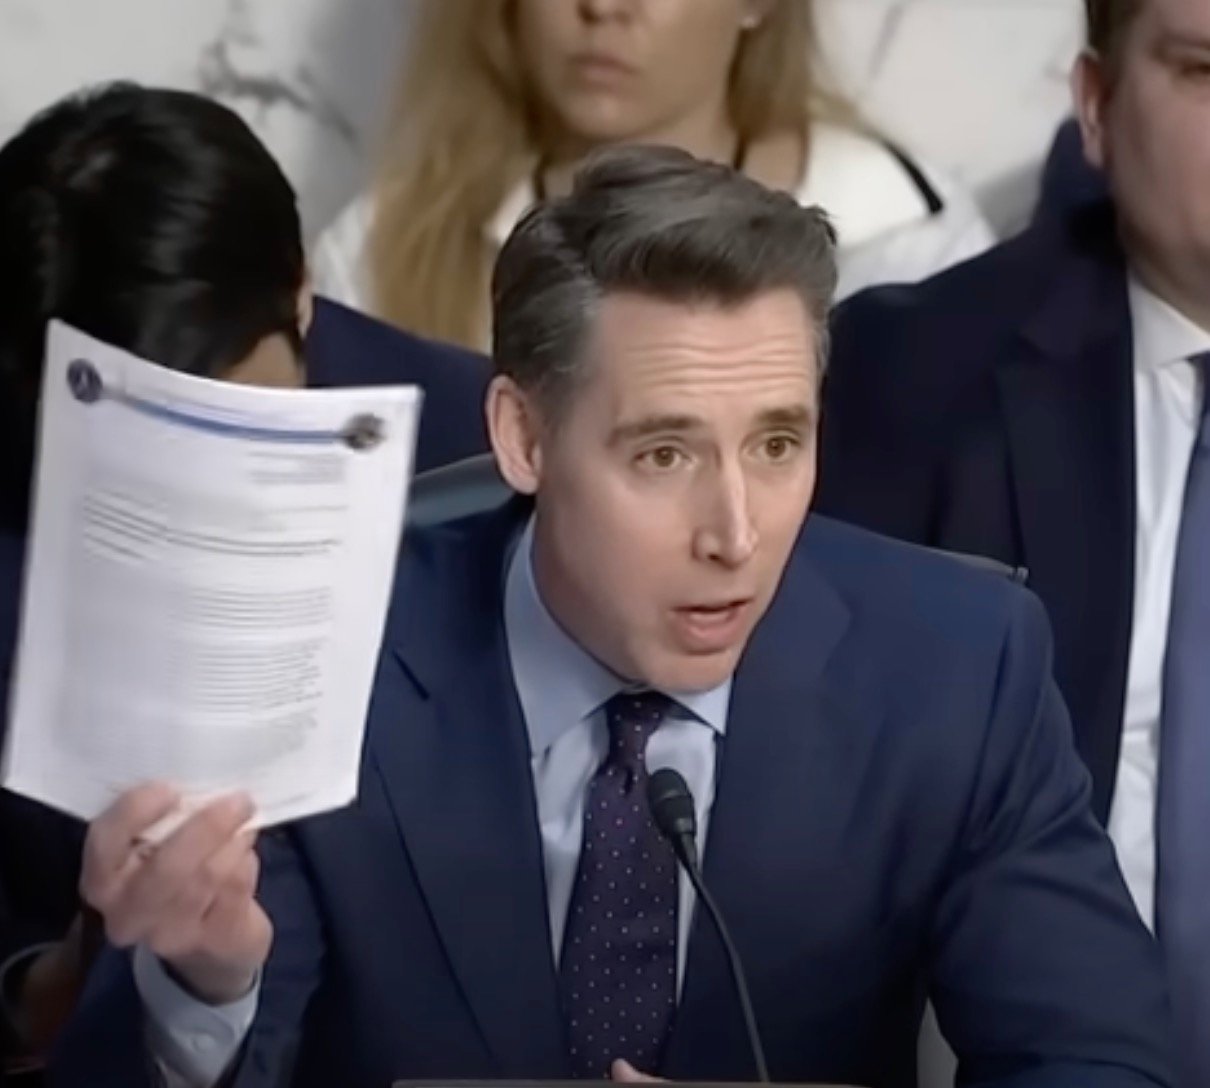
(211,987)
(195,1043)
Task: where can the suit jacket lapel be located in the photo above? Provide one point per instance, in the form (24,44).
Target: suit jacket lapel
(785,719)
(456,766)
(1068,402)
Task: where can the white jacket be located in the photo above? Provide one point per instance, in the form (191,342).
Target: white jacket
(896,222)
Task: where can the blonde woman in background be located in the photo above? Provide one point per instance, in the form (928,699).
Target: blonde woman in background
(500,100)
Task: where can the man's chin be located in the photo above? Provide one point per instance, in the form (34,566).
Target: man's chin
(690,674)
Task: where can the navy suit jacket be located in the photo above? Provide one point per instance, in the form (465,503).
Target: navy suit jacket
(991,410)
(40,848)
(1069,181)
(899,814)
(345,347)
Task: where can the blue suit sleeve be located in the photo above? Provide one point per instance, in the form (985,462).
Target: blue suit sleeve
(106,1043)
(293,971)
(1037,948)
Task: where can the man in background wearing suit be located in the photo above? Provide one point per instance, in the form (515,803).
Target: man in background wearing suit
(157,221)
(882,766)
(1045,405)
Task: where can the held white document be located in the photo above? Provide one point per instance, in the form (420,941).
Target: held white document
(207,581)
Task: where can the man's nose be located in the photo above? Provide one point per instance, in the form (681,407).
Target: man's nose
(727,532)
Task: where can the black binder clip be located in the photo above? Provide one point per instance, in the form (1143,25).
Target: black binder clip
(364,432)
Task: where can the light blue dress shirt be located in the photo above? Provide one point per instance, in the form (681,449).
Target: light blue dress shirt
(563,691)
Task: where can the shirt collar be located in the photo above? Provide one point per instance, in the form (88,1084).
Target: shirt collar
(1162,334)
(558,682)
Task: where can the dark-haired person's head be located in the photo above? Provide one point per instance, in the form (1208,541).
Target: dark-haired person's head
(153,220)
(659,338)
(1142,90)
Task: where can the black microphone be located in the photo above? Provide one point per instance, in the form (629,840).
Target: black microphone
(671,806)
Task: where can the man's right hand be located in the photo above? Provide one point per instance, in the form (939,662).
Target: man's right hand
(191,900)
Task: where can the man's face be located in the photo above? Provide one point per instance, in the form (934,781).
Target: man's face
(1148,123)
(671,492)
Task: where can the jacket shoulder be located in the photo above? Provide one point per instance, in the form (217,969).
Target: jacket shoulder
(909,592)
(988,295)
(347,347)
(982,293)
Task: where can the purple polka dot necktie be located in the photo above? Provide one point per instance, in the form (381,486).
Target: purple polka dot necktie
(617,971)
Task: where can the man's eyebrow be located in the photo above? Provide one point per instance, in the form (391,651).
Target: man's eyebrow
(1178,39)
(797,415)
(647,426)
(794,416)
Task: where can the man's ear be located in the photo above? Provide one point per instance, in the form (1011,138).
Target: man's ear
(515,429)
(1089,92)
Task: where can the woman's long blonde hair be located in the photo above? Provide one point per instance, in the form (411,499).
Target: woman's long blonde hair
(465,134)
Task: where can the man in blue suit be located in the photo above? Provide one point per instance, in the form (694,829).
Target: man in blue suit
(157,221)
(882,767)
(1045,405)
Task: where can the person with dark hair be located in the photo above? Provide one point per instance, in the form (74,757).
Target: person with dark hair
(156,221)
(875,752)
(1046,405)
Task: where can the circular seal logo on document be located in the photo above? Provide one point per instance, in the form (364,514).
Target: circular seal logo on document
(84,381)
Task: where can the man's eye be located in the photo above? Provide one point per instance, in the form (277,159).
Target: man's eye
(780,447)
(1194,69)
(662,458)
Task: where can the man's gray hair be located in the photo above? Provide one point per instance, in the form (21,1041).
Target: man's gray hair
(653,221)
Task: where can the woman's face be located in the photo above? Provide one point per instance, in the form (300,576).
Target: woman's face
(272,364)
(623,70)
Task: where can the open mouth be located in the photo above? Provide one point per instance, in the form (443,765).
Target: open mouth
(711,627)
